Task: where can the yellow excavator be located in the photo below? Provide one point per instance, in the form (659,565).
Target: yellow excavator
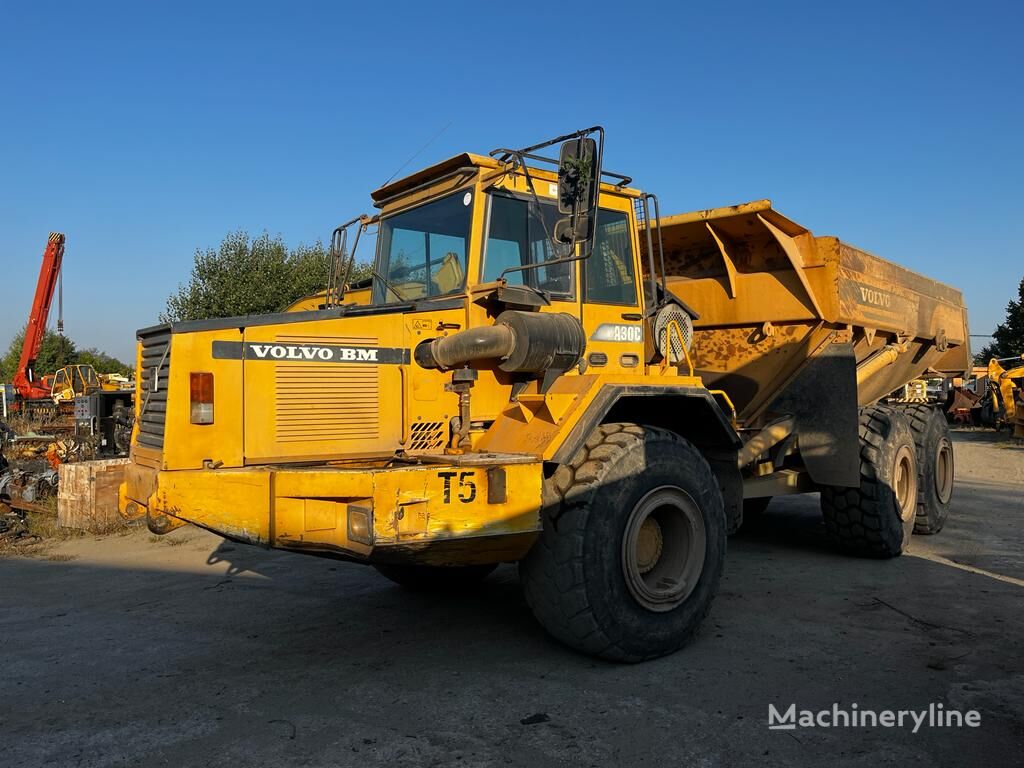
(1003,393)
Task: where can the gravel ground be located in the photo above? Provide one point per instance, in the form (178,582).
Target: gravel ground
(187,650)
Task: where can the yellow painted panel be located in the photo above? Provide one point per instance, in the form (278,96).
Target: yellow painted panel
(454,502)
(232,502)
(538,424)
(301,406)
(320,515)
(619,339)
(186,445)
(324,482)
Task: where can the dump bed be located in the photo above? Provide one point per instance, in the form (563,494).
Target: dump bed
(771,296)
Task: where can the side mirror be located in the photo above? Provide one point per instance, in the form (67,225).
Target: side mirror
(579,172)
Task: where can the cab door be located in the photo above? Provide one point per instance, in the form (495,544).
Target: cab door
(60,387)
(612,299)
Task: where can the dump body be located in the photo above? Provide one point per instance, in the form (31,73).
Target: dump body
(772,296)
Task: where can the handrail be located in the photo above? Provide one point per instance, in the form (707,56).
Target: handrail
(673,323)
(728,401)
(504,155)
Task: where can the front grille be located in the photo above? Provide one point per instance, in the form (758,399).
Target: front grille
(153,377)
(316,402)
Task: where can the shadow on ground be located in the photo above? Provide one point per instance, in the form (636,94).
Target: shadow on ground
(213,653)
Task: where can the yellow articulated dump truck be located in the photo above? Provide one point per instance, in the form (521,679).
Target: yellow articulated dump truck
(542,370)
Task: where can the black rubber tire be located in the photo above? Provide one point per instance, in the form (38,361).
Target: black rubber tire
(435,578)
(935,468)
(574,578)
(867,520)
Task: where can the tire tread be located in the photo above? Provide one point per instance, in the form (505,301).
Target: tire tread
(553,577)
(860,520)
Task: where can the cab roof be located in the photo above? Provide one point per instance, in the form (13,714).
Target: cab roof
(465,160)
(471,161)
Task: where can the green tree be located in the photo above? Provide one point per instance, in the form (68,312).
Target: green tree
(55,352)
(1008,337)
(249,276)
(102,362)
(241,277)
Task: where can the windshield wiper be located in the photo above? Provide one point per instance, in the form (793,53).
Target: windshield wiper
(387,285)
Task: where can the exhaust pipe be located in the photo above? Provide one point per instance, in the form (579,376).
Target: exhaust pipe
(523,342)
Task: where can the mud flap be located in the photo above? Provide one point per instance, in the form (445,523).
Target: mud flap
(823,401)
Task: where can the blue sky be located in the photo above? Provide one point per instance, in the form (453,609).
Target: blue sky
(146,130)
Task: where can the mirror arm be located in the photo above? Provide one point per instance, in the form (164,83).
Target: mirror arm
(520,163)
(597,181)
(575,135)
(339,240)
(574,216)
(352,259)
(524,267)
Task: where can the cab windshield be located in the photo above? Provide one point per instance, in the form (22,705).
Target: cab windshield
(421,253)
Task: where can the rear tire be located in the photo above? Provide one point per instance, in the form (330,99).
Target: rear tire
(435,578)
(934,467)
(632,546)
(876,518)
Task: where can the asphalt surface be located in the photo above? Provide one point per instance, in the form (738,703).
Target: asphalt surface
(187,650)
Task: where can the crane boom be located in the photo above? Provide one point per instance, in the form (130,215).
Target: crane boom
(24,377)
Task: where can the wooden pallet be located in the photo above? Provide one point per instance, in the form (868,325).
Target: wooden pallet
(87,494)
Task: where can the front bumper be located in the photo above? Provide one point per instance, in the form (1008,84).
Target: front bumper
(476,510)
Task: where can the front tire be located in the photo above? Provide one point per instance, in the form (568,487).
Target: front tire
(876,518)
(632,546)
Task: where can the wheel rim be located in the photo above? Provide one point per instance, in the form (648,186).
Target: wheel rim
(944,471)
(663,548)
(905,482)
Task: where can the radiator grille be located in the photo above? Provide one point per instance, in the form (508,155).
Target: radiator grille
(317,402)
(426,436)
(153,377)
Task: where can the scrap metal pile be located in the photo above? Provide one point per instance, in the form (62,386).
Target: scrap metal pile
(24,485)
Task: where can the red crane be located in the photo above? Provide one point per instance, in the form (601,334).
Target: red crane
(24,378)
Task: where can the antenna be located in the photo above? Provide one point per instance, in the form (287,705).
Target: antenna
(417,153)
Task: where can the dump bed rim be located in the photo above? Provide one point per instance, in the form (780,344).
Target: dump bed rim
(764,206)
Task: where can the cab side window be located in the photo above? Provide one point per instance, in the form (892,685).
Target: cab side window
(608,273)
(518,235)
